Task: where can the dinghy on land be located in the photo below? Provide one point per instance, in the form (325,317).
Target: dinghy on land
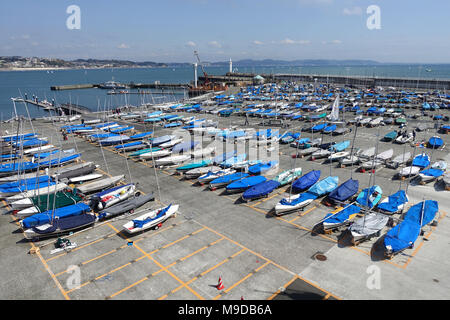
(369,197)
(125,206)
(211,175)
(394,203)
(107,198)
(47,216)
(99,185)
(61,225)
(172,160)
(340,217)
(288,176)
(403,235)
(44,203)
(398,160)
(299,201)
(421,160)
(227,179)
(260,190)
(306,181)
(152,219)
(364,228)
(244,184)
(345,191)
(429,175)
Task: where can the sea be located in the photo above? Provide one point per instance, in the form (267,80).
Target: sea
(14,84)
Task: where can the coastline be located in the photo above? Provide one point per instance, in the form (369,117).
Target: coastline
(71,68)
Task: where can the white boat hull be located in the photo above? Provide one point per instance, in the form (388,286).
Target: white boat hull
(129,226)
(40,191)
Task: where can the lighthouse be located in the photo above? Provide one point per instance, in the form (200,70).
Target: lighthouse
(231,66)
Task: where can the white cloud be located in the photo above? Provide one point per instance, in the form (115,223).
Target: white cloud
(355,11)
(190,44)
(215,44)
(123,46)
(290,41)
(258,42)
(332,42)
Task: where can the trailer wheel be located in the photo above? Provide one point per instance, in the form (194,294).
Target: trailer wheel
(156,227)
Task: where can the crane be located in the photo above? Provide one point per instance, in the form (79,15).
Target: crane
(203,69)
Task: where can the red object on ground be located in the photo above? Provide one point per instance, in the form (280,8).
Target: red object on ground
(220,284)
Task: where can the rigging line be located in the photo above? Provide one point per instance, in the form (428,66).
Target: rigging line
(410,168)
(126,159)
(26,108)
(154,166)
(351,151)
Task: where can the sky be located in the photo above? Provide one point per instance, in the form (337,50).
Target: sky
(411,31)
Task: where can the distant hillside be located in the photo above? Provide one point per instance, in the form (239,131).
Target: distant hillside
(306,62)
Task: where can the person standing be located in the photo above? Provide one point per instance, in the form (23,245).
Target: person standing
(414,135)
(246,120)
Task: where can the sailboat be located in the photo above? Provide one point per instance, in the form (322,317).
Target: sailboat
(151,219)
(298,201)
(404,235)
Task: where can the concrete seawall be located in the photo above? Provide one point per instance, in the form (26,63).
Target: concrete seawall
(412,83)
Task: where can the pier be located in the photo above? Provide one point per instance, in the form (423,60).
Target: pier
(67,108)
(162,86)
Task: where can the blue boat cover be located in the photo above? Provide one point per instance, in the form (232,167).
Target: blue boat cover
(103,135)
(306,181)
(26,187)
(229,178)
(131,144)
(369,197)
(223,157)
(56,162)
(246,183)
(421,161)
(345,190)
(303,197)
(342,215)
(262,167)
(330,128)
(338,147)
(435,142)
(260,190)
(432,172)
(319,127)
(45,217)
(19,137)
(184,146)
(141,135)
(25,182)
(233,160)
(394,201)
(105,192)
(67,223)
(324,186)
(402,235)
(22,166)
(161,140)
(141,223)
(429,212)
